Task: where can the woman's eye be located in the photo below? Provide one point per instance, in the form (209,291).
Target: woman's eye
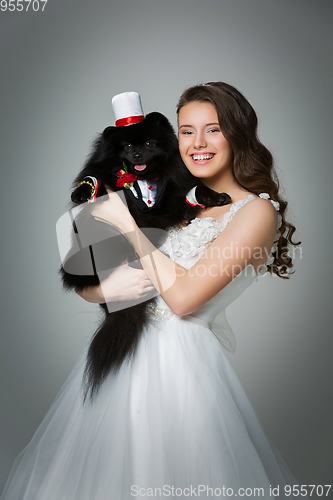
(149,144)
(128,147)
(186,132)
(214,130)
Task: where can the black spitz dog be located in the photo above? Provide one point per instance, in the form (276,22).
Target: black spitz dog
(149,151)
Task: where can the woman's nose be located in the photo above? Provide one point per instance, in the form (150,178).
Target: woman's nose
(199,141)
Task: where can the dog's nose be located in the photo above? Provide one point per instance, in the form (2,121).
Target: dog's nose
(137,156)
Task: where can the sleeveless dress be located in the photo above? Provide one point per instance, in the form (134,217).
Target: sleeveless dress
(174,421)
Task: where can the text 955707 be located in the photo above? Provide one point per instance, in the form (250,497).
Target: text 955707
(22,5)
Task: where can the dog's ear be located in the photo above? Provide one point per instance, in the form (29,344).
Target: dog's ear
(157,119)
(108,131)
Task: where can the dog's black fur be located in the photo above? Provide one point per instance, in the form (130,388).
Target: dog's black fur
(153,143)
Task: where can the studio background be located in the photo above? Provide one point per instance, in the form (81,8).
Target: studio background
(59,70)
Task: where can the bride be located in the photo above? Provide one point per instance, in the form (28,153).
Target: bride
(174,419)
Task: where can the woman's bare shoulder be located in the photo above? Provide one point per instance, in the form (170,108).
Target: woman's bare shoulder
(258,216)
(261,207)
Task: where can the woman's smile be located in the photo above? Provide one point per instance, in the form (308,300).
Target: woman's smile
(202,158)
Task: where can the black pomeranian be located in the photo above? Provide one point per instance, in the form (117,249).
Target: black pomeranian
(142,159)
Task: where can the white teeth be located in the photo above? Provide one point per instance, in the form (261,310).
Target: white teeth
(202,157)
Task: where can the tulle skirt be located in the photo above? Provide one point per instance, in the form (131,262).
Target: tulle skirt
(173,422)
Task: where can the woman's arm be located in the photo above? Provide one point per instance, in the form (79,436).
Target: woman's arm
(92,294)
(247,239)
(125,284)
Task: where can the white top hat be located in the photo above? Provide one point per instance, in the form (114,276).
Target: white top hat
(127,108)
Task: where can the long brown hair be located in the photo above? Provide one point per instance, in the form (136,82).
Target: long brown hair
(252,163)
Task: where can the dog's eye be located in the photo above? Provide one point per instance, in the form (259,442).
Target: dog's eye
(149,144)
(128,147)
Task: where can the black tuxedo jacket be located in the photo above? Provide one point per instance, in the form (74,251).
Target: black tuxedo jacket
(161,185)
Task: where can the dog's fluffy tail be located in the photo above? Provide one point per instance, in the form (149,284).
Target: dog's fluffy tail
(114,342)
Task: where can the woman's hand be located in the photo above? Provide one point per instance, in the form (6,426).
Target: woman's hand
(127,284)
(124,284)
(113,210)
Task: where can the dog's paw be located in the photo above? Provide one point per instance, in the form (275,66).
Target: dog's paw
(209,198)
(222,199)
(81,194)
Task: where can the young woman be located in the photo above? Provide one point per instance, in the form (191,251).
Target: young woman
(174,419)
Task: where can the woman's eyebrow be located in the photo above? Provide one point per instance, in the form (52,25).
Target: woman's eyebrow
(207,125)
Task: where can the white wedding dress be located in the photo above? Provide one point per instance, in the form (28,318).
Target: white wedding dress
(175,416)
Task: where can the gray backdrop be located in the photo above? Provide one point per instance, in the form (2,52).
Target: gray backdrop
(59,70)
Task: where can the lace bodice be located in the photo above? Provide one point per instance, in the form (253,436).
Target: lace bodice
(186,245)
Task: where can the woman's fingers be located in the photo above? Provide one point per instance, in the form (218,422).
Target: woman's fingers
(113,210)
(126,283)
(145,286)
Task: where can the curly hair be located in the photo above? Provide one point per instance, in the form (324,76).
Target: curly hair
(252,162)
